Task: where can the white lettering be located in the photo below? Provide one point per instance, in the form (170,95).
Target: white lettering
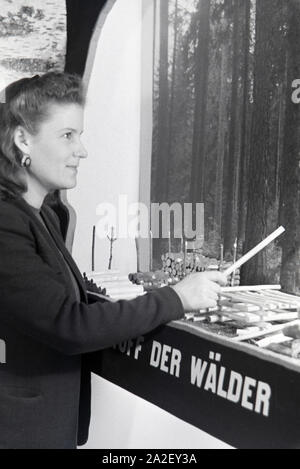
(188,221)
(296,93)
(165,357)
(197,371)
(113,459)
(175,363)
(108,219)
(129,345)
(139,223)
(235,386)
(247,392)
(220,390)
(138,346)
(211,380)
(155,354)
(263,397)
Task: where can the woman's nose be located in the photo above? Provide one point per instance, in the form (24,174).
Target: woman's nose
(81,151)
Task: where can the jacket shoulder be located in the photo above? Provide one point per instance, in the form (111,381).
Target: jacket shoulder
(11,213)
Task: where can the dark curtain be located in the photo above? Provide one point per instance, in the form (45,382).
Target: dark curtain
(81,20)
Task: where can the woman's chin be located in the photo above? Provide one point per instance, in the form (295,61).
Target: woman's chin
(70,184)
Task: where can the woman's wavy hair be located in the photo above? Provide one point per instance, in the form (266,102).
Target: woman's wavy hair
(26,104)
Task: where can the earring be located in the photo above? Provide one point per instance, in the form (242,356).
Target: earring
(26,161)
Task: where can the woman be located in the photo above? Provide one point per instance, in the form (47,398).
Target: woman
(45,320)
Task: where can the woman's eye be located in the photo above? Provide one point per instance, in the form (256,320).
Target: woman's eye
(68,135)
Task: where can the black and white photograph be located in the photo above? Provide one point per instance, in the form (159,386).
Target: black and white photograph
(149,227)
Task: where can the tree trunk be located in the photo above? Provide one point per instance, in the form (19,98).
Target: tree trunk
(290,187)
(222,123)
(172,99)
(255,270)
(201,86)
(230,229)
(163,121)
(243,185)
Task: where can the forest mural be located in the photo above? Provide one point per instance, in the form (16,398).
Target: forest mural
(227,126)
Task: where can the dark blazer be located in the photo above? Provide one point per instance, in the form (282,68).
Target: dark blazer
(44,389)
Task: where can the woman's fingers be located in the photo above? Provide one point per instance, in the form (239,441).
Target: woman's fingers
(217,277)
(200,290)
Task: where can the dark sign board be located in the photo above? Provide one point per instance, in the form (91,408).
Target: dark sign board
(239,398)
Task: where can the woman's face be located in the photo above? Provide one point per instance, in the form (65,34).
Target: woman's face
(56,149)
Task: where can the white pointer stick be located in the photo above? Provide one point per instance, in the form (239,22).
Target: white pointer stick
(251,288)
(254,251)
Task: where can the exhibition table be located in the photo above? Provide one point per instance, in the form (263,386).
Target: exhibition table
(239,394)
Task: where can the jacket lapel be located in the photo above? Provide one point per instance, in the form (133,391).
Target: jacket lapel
(61,246)
(57,239)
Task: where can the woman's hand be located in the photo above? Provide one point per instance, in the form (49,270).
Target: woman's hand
(200,290)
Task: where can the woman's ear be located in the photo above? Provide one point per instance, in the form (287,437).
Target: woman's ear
(21,139)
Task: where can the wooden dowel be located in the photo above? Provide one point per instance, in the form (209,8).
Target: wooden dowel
(254,251)
(287,295)
(250,288)
(93,248)
(221,261)
(234,260)
(184,258)
(265,332)
(137,247)
(151,252)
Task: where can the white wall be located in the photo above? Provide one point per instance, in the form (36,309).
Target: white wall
(122,420)
(112,135)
